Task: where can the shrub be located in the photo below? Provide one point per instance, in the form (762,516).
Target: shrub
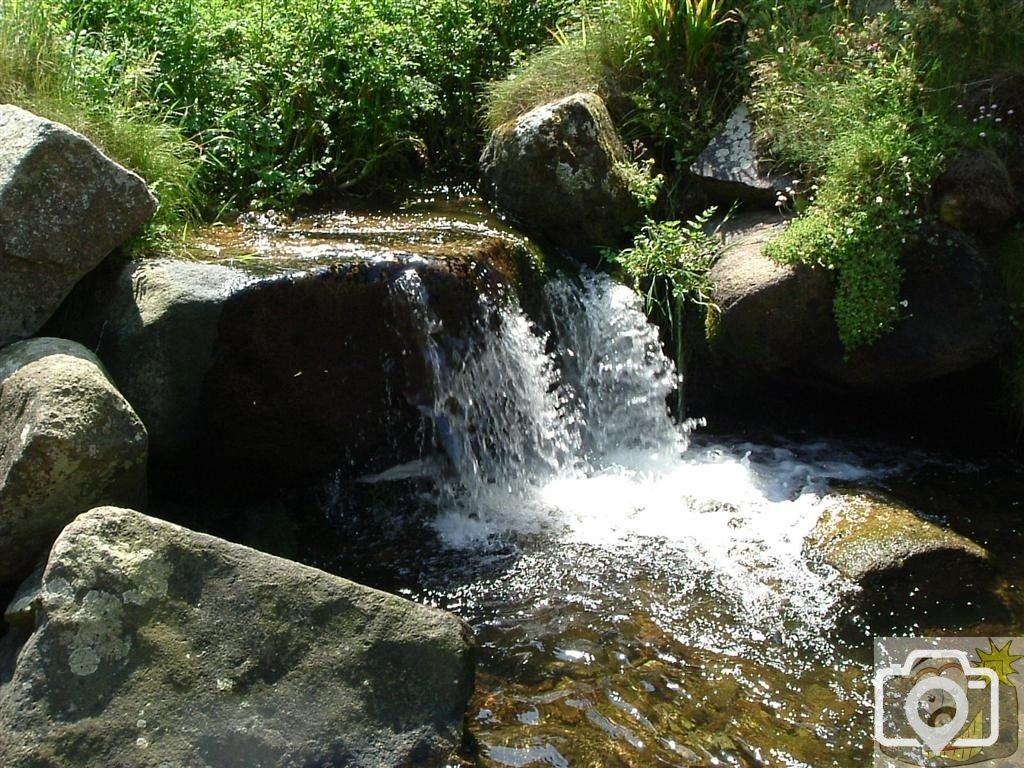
(288,97)
(667,70)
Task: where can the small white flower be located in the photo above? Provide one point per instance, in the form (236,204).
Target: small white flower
(781,49)
(982,134)
(904,303)
(878,199)
(849,230)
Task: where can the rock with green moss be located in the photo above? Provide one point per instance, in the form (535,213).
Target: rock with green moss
(953,316)
(156,646)
(68,442)
(560,171)
(64,206)
(903,563)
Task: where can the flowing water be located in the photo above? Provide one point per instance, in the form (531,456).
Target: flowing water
(640,590)
(641,594)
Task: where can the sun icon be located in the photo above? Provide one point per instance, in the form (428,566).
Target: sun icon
(999,660)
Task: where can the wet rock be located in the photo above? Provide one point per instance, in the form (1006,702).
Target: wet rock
(730,168)
(63,207)
(903,563)
(157,646)
(557,170)
(68,442)
(976,194)
(773,317)
(955,317)
(310,359)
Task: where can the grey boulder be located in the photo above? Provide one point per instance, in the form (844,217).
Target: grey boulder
(156,646)
(559,172)
(64,206)
(68,442)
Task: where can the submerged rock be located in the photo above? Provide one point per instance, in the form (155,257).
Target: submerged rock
(63,207)
(559,172)
(68,442)
(903,563)
(157,646)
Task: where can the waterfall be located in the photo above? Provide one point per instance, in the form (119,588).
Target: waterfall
(565,435)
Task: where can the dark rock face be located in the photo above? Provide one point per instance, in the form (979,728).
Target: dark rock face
(730,169)
(326,369)
(154,646)
(309,362)
(776,324)
(63,207)
(955,317)
(976,194)
(557,170)
(68,441)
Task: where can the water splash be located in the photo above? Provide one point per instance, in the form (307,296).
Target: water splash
(566,438)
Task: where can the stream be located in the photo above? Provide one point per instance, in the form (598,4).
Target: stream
(640,590)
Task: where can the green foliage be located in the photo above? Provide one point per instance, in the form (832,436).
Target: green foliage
(288,97)
(676,35)
(103,95)
(668,71)
(862,109)
(642,181)
(668,264)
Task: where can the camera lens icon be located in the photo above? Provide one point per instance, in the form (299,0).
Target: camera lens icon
(933,693)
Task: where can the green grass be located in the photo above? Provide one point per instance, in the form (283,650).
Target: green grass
(667,71)
(868,110)
(49,72)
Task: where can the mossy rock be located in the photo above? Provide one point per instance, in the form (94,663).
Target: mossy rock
(906,567)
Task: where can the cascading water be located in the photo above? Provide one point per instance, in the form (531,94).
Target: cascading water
(590,541)
(576,444)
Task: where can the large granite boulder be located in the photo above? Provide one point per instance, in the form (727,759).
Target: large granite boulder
(154,646)
(954,317)
(64,206)
(559,172)
(68,442)
(771,317)
(904,564)
(312,358)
